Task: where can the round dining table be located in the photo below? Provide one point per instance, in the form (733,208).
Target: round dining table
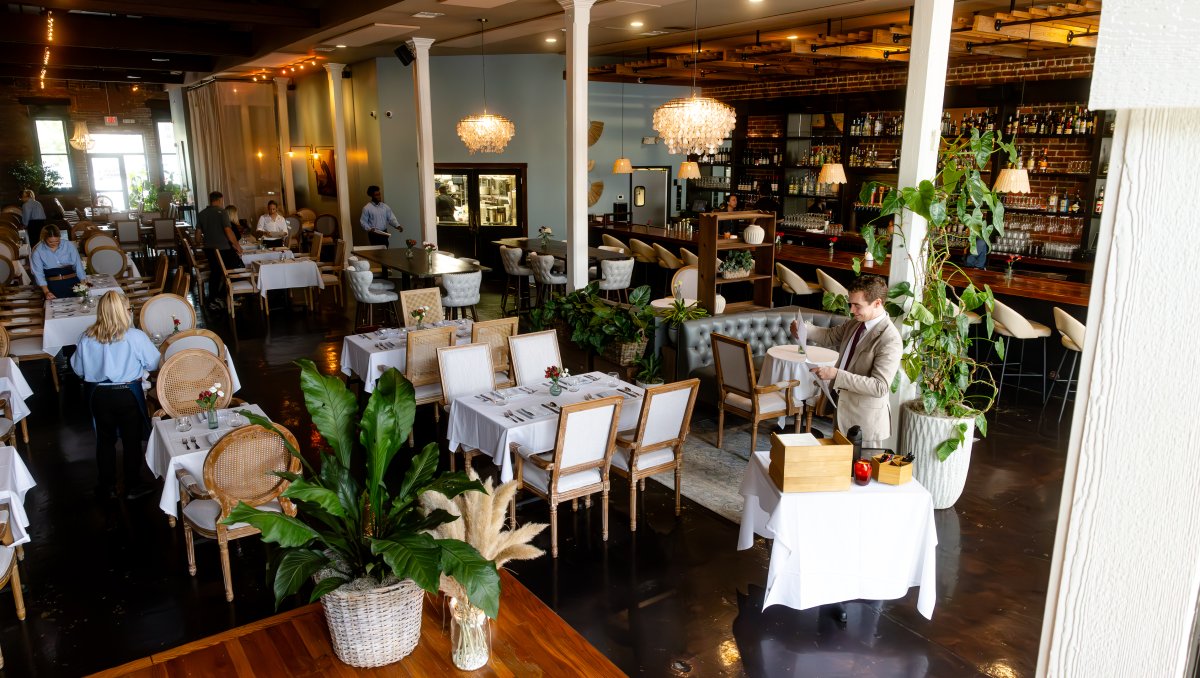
(787,362)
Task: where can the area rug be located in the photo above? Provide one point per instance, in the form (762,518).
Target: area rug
(712,475)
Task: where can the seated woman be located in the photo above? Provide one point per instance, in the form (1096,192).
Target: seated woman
(272,228)
(56,265)
(111,357)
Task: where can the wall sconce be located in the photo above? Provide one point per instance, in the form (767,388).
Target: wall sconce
(312,153)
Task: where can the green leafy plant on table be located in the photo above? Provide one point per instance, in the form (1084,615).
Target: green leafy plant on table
(937,357)
(649,369)
(350,522)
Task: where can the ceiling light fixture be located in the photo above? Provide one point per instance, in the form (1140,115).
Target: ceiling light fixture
(622,165)
(340,46)
(694,125)
(46,54)
(552,40)
(793,37)
(81,140)
(486,133)
(160,59)
(636,24)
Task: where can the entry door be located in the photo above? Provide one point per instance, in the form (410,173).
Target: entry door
(649,193)
(477,205)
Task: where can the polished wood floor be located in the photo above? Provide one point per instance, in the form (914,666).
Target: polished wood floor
(527,639)
(107,583)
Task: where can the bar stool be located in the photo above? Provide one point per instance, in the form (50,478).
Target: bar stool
(547,280)
(1012,325)
(1072,332)
(643,254)
(667,261)
(793,284)
(516,278)
(689,259)
(830,285)
(462,293)
(616,276)
(610,241)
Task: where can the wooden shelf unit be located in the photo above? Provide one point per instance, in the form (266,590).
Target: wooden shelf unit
(709,245)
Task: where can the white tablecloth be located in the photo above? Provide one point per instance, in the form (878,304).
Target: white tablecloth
(871,542)
(65,322)
(103,283)
(165,452)
(248,258)
(368,355)
(786,362)
(480,425)
(14,388)
(15,481)
(280,275)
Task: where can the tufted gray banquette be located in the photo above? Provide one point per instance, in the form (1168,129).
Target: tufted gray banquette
(762,329)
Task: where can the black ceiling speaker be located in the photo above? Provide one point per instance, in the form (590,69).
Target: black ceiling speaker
(405,54)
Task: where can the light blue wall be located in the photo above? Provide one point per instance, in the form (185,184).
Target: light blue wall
(529,90)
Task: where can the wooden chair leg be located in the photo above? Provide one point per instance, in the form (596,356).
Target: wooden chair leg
(753,435)
(720,426)
(604,509)
(223,543)
(678,484)
(632,504)
(54,373)
(553,530)
(189,541)
(18,597)
(25,431)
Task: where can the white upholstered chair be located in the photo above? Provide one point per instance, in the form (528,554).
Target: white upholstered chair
(543,272)
(531,354)
(465,371)
(516,278)
(793,284)
(738,392)
(688,280)
(1012,325)
(1072,332)
(359,280)
(462,293)
(159,312)
(830,285)
(616,276)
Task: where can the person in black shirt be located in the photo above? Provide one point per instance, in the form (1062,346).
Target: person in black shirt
(220,244)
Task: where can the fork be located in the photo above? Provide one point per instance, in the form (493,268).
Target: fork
(513,417)
(195,443)
(184,440)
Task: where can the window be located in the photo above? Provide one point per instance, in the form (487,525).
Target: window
(170,153)
(52,146)
(118,161)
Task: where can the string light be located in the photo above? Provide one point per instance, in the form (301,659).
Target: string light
(46,54)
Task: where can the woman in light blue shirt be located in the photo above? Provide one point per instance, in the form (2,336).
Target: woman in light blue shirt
(56,265)
(111,357)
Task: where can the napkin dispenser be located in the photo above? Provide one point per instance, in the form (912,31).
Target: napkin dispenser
(797,465)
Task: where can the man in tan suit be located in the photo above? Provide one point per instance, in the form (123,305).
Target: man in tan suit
(869,349)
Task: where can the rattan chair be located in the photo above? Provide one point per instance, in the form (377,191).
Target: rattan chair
(531,354)
(428,296)
(183,376)
(314,249)
(240,468)
(148,287)
(739,393)
(197,338)
(421,366)
(81,229)
(464,371)
(25,345)
(656,445)
(495,333)
(577,467)
(158,313)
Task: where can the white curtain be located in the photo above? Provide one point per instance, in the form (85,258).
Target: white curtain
(236,144)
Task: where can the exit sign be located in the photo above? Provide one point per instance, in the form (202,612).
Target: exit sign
(110,121)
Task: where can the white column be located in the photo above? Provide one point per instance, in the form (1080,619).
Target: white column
(922,118)
(1125,574)
(341,168)
(578,13)
(422,103)
(284,126)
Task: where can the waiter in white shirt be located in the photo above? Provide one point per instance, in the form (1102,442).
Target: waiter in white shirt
(272,228)
(376,217)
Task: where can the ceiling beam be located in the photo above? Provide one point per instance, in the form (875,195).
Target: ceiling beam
(91,74)
(193,10)
(88,57)
(141,35)
(1038,32)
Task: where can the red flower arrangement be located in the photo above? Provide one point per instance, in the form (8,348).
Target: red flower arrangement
(411,243)
(554,373)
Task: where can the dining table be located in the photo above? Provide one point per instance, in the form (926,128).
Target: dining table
(172,448)
(787,362)
(255,254)
(370,354)
(528,415)
(416,264)
(15,483)
(65,320)
(15,389)
(284,273)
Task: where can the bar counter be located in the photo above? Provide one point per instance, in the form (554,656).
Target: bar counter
(649,234)
(1028,287)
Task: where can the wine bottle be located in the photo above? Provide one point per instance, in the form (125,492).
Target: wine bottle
(1100,202)
(1052,202)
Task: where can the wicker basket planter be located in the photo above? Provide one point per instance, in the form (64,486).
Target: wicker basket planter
(625,353)
(729,275)
(374,626)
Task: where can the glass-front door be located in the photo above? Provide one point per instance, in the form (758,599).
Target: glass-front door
(118,161)
(477,205)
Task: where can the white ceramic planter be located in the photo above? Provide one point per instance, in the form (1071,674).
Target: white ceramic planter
(920,434)
(754,234)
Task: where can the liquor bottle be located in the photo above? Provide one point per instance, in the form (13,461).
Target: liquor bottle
(879,126)
(1059,123)
(1044,161)
(1076,204)
(1100,202)
(1052,201)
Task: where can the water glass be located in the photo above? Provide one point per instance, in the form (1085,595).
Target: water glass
(183,424)
(614,379)
(573,384)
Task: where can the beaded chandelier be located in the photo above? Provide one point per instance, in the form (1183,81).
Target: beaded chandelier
(487,132)
(694,125)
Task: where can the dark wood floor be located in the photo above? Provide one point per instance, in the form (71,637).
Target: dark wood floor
(106,581)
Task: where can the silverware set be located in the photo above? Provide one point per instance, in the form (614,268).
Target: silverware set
(192,441)
(626,391)
(385,345)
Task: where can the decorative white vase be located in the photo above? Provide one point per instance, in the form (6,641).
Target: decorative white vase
(920,434)
(868,257)
(754,234)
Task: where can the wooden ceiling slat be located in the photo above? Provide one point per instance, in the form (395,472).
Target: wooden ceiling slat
(195,10)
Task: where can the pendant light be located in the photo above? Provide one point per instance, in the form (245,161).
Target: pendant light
(486,132)
(622,165)
(1014,179)
(689,170)
(695,124)
(81,140)
(833,172)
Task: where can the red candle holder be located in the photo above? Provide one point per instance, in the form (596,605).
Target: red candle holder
(862,472)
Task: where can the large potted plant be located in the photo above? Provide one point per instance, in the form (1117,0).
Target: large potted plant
(954,391)
(367,542)
(679,312)
(35,176)
(619,332)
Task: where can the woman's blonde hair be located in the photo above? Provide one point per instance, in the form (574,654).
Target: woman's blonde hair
(50,231)
(112,318)
(27,194)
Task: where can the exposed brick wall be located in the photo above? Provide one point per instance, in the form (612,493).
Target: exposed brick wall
(895,77)
(88,103)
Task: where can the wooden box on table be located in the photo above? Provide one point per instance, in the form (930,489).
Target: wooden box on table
(798,467)
(888,473)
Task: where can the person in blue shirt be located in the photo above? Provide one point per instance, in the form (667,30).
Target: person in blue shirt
(980,258)
(111,357)
(55,264)
(33,215)
(376,217)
